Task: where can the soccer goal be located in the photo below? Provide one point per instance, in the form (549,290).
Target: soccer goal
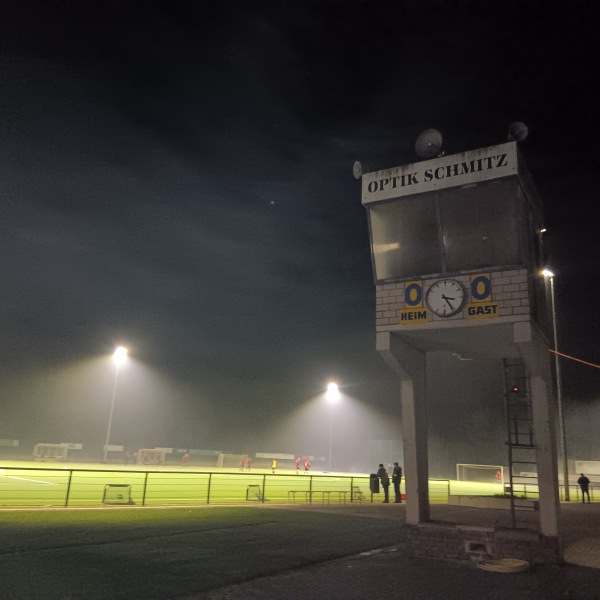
(117,494)
(150,456)
(50,452)
(253,493)
(591,468)
(480,473)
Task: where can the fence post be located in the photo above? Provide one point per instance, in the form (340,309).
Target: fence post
(310,489)
(351,490)
(68,488)
(264,488)
(145,486)
(208,489)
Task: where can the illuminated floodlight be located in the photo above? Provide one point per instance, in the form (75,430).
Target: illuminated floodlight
(333,392)
(120,355)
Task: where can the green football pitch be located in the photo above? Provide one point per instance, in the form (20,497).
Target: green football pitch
(33,484)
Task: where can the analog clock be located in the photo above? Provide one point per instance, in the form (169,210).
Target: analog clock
(445,297)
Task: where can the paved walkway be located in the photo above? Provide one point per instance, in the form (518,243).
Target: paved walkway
(390,573)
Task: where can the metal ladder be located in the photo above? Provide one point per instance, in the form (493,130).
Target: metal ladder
(522,463)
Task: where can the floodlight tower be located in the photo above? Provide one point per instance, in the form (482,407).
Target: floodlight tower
(333,397)
(119,356)
(561,418)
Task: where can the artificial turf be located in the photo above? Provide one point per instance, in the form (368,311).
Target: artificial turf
(154,553)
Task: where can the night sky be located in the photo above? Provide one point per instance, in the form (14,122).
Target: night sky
(177,177)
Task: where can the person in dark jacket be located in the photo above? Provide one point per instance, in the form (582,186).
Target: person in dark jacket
(584,484)
(396,479)
(385,482)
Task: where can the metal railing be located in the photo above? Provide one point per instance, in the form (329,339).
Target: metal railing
(73,487)
(575,492)
(80,487)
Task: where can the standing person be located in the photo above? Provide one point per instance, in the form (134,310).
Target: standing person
(185,459)
(297,465)
(248,463)
(273,465)
(385,482)
(584,484)
(396,479)
(306,466)
(242,463)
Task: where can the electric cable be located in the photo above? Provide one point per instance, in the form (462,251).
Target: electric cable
(585,362)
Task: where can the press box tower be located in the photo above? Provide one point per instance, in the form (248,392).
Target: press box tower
(457,261)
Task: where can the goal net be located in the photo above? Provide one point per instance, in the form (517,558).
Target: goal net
(150,456)
(480,473)
(50,452)
(591,468)
(117,494)
(254,493)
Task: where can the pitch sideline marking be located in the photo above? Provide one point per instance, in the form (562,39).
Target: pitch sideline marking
(29,480)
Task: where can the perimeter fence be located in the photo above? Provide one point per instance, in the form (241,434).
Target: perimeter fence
(73,487)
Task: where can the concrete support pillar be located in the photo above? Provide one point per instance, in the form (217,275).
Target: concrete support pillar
(537,361)
(545,453)
(409,364)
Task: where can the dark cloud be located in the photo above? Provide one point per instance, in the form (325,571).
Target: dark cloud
(177,176)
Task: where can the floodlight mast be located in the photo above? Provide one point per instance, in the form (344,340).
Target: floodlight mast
(561,419)
(119,356)
(333,396)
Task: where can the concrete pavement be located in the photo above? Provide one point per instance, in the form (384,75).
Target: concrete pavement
(391,573)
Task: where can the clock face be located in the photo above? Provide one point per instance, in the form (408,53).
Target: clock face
(445,297)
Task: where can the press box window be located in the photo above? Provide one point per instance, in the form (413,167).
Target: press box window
(481,226)
(457,229)
(405,237)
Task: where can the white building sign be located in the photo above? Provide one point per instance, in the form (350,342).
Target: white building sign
(444,172)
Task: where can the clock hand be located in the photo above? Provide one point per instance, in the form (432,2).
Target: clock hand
(447,299)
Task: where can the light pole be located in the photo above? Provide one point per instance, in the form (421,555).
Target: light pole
(333,397)
(561,419)
(120,356)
